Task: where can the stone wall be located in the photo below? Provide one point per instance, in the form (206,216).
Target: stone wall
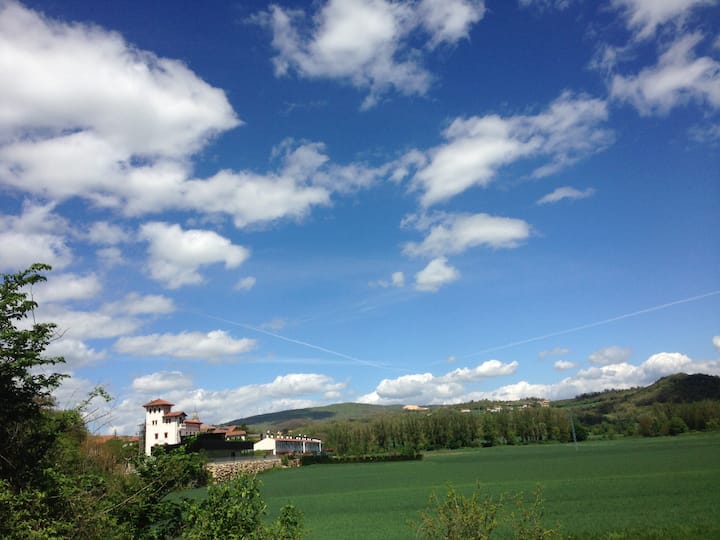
(222,472)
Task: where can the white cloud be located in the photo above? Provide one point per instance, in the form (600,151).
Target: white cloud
(36,235)
(678,78)
(426,388)
(661,364)
(76,353)
(104,233)
(397,279)
(110,256)
(83,113)
(436,274)
(489,368)
(86,324)
(454,233)
(477,147)
(289,391)
(177,254)
(138,304)
(449,21)
(645,16)
(597,379)
(610,355)
(566,192)
(163,381)
(60,287)
(558,351)
(716,342)
(214,345)
(563,365)
(366,42)
(245,284)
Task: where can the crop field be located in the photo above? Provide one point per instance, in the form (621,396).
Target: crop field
(665,487)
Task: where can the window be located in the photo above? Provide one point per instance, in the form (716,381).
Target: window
(166,434)
(156,435)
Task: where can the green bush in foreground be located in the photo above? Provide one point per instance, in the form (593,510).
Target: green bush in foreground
(235,510)
(477,517)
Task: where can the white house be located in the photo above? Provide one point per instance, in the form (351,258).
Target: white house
(289,445)
(164,426)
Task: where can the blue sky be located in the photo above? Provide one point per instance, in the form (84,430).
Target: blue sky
(251,207)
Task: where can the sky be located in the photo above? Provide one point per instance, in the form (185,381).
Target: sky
(252,207)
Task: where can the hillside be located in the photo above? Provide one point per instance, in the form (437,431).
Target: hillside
(299,418)
(591,409)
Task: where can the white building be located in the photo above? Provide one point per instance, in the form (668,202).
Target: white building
(289,445)
(164,426)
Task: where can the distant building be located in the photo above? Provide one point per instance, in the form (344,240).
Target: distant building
(289,445)
(163,426)
(414,408)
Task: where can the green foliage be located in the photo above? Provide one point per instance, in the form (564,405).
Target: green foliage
(25,390)
(477,517)
(235,510)
(460,518)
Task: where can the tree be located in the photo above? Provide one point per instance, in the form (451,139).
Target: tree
(235,510)
(25,388)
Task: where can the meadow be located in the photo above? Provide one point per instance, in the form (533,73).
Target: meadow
(665,487)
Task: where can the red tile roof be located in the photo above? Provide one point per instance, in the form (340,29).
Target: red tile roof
(174,413)
(158,403)
(191,421)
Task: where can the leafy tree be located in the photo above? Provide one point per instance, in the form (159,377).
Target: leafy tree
(25,387)
(235,510)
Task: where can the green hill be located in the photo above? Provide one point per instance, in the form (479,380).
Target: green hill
(618,407)
(299,418)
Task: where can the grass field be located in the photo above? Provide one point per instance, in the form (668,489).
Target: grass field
(642,488)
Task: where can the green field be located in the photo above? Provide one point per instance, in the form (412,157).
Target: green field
(648,488)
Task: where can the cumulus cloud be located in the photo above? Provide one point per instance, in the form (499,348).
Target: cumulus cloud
(436,274)
(596,379)
(566,192)
(36,235)
(563,365)
(716,342)
(610,355)
(477,147)
(141,304)
(214,345)
(104,233)
(75,352)
(645,16)
(61,287)
(288,391)
(366,43)
(162,381)
(82,325)
(678,78)
(454,233)
(84,113)
(176,254)
(426,388)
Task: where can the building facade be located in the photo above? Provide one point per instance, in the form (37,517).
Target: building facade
(289,445)
(165,426)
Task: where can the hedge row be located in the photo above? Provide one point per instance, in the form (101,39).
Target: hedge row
(310,459)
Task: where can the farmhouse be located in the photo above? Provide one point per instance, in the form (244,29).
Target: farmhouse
(289,445)
(165,426)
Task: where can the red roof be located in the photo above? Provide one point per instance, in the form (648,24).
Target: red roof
(191,421)
(174,413)
(158,403)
